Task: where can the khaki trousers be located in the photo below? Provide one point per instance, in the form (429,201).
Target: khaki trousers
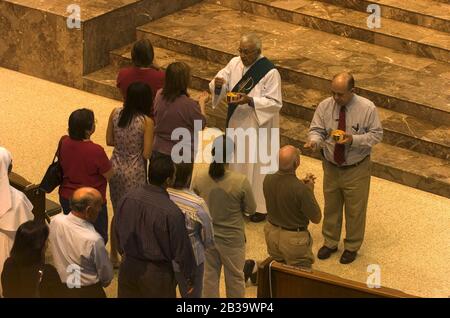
(232,259)
(347,187)
(290,247)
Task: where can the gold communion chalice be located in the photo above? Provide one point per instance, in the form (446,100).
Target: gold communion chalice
(338,135)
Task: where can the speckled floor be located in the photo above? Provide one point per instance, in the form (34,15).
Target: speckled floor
(407,229)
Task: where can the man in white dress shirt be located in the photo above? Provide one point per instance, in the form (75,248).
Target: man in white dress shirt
(78,251)
(15,209)
(346,163)
(259,84)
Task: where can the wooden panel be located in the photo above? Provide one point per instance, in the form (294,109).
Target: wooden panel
(42,207)
(293,282)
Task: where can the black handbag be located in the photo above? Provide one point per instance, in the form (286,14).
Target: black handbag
(53,176)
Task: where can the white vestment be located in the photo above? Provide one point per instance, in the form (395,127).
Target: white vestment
(265,114)
(15,209)
(19,213)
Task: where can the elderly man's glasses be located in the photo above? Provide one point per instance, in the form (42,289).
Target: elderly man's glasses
(246,51)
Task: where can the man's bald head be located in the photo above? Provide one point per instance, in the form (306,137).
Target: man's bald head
(289,158)
(342,88)
(345,80)
(86,202)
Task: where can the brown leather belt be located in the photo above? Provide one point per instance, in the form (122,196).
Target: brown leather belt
(349,166)
(298,229)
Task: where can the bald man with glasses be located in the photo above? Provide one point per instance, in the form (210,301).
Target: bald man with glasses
(346,163)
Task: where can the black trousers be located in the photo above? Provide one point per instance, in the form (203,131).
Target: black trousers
(145,279)
(93,291)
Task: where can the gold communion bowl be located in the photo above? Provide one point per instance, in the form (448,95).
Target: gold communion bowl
(232,97)
(338,135)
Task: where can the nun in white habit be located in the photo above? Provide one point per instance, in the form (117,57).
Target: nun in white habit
(15,209)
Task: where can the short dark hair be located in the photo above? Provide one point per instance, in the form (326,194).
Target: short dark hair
(80,121)
(178,75)
(161,168)
(221,152)
(81,204)
(139,102)
(183,174)
(29,243)
(142,53)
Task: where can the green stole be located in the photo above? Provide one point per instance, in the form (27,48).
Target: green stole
(250,79)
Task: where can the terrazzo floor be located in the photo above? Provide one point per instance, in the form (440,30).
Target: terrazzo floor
(407,230)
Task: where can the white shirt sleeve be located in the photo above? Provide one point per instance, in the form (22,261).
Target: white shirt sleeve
(374,132)
(102,263)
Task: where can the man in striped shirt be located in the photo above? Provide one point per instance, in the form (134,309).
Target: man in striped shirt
(198,225)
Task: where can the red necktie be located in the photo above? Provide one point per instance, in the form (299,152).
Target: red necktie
(339,149)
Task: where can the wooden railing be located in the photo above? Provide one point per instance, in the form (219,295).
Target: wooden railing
(279,280)
(43,208)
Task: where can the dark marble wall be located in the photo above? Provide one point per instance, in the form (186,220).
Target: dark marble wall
(39,43)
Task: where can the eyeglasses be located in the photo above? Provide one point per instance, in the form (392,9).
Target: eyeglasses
(246,52)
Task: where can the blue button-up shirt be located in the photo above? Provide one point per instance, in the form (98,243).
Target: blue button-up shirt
(361,121)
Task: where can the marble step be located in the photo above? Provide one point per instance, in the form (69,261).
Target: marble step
(388,162)
(399,129)
(426,13)
(402,130)
(350,23)
(393,80)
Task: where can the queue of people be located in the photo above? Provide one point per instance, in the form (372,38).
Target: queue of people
(169,229)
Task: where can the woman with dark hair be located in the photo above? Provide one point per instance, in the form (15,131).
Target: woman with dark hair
(175,109)
(229,196)
(25,274)
(143,69)
(198,225)
(130,132)
(84,164)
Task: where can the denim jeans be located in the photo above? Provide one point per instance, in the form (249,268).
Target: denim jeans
(100,225)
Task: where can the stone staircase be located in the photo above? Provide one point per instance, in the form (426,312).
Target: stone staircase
(402,67)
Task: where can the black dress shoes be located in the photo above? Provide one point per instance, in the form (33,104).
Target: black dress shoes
(248,269)
(325,252)
(258,217)
(348,257)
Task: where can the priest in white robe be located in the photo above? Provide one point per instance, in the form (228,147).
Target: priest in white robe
(15,209)
(259,84)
